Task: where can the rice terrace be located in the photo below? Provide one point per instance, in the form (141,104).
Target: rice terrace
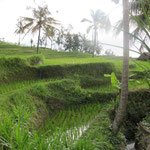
(61,89)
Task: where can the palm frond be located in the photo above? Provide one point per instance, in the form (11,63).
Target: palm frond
(27,19)
(35,28)
(118,27)
(89,29)
(51,20)
(105,23)
(116,1)
(92,13)
(137,32)
(146,46)
(136,7)
(86,20)
(141,25)
(27,32)
(98,15)
(27,26)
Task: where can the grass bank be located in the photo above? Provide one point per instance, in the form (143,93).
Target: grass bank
(25,110)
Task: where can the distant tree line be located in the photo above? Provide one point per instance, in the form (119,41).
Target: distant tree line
(49,31)
(74,42)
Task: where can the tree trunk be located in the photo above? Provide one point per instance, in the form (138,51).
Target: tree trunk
(124,89)
(38,40)
(95,38)
(46,42)
(19,39)
(51,43)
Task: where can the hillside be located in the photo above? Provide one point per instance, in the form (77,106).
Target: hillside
(61,100)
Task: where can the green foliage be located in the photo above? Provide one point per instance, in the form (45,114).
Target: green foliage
(15,69)
(143,23)
(6,45)
(114,82)
(27,109)
(138,107)
(89,81)
(146,120)
(25,106)
(14,62)
(132,66)
(99,96)
(68,44)
(36,60)
(99,132)
(16,111)
(69,90)
(139,17)
(76,42)
(91,69)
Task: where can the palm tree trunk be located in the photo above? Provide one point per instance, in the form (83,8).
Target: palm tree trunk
(46,42)
(51,43)
(38,40)
(124,89)
(95,38)
(19,39)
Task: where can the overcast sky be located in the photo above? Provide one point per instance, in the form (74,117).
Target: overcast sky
(67,11)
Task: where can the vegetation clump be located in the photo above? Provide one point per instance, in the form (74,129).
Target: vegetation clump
(35,60)
(30,107)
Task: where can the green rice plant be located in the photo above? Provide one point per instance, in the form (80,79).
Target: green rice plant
(69,124)
(15,132)
(62,130)
(10,87)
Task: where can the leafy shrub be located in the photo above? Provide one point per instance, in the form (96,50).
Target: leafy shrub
(140,75)
(61,91)
(89,81)
(35,60)
(132,66)
(100,97)
(16,69)
(12,62)
(146,120)
(91,69)
(138,106)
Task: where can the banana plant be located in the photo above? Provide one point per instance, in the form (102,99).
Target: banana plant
(115,83)
(116,87)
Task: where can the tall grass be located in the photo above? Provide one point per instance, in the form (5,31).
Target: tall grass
(11,87)
(63,130)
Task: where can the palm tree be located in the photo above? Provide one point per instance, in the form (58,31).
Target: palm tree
(124,89)
(20,29)
(41,20)
(140,16)
(138,21)
(60,38)
(99,20)
(49,33)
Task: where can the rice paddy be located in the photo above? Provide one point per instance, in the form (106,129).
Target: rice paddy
(64,103)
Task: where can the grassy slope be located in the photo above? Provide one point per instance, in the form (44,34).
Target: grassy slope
(27,108)
(32,101)
(61,58)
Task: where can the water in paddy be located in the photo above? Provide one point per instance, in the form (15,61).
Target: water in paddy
(67,126)
(131,145)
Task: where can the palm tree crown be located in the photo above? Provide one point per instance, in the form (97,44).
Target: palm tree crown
(138,21)
(99,20)
(41,20)
(19,30)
